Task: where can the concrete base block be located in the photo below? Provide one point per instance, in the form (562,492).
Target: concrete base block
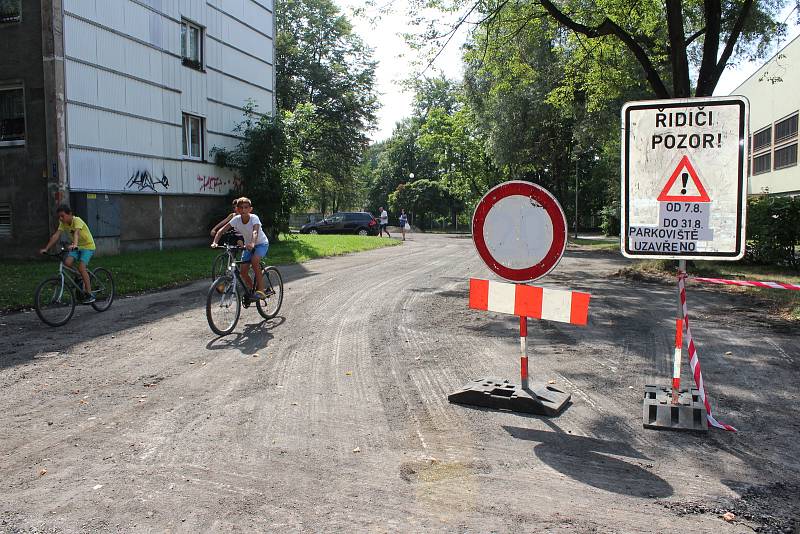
(659,412)
(540,399)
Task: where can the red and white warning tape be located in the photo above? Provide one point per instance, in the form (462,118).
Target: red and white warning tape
(748,283)
(694,360)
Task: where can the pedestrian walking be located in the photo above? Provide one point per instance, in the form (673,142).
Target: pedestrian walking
(384,224)
(403,223)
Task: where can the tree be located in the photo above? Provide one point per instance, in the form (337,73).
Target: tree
(268,163)
(320,61)
(670,41)
(423,198)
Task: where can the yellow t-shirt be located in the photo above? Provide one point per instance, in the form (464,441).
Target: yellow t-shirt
(85,239)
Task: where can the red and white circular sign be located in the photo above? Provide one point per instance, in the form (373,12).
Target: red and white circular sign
(520,231)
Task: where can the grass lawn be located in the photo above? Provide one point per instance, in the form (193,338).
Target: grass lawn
(611,243)
(140,271)
(786,302)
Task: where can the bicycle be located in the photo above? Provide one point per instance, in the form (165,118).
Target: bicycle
(224,300)
(55,298)
(222,263)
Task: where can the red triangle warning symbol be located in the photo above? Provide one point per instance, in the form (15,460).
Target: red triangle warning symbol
(683,191)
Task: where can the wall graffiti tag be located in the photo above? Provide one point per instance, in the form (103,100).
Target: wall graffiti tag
(142,180)
(209,183)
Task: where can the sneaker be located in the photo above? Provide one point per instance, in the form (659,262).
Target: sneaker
(260,294)
(89,299)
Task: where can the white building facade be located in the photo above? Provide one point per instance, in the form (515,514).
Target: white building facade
(774,94)
(153,85)
(115,106)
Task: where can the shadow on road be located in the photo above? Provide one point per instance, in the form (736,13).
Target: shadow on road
(592,461)
(25,336)
(255,337)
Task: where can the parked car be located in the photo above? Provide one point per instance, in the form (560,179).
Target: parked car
(360,222)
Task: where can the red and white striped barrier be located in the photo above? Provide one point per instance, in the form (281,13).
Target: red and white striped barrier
(694,359)
(529,301)
(747,283)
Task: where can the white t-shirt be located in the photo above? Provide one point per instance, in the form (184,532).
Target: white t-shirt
(384,217)
(247,229)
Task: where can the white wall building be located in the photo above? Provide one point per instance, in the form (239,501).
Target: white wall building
(125,123)
(774,94)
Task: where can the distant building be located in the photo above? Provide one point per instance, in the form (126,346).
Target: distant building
(115,105)
(774,94)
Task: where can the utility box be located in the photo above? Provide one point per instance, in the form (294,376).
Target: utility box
(101,212)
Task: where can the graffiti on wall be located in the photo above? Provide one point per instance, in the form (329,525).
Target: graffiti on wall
(142,181)
(209,183)
(216,184)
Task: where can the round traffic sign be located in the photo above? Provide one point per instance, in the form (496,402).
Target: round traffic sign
(519,231)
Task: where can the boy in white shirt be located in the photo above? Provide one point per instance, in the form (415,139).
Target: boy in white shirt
(256,243)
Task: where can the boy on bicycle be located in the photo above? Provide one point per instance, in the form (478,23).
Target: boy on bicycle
(81,249)
(232,237)
(256,243)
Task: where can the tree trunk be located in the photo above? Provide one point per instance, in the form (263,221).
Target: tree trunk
(677,47)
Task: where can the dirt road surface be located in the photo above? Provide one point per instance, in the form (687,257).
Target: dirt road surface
(334,417)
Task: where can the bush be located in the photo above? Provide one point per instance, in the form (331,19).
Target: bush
(610,219)
(773,230)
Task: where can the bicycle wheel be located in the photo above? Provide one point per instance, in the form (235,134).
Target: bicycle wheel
(273,285)
(54,301)
(102,288)
(223,305)
(219,266)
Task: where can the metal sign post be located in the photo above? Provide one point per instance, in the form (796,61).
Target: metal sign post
(683,197)
(520,232)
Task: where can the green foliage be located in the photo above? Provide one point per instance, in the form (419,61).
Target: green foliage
(322,64)
(773,230)
(603,40)
(610,219)
(269,165)
(425,199)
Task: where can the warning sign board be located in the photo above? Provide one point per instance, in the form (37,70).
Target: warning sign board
(683,178)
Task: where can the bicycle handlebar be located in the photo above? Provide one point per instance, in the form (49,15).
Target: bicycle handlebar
(58,254)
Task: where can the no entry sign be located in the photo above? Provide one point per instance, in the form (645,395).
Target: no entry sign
(520,231)
(683,178)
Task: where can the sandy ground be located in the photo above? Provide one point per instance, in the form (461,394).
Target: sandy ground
(334,416)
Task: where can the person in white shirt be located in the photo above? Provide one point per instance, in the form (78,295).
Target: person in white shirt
(384,224)
(256,243)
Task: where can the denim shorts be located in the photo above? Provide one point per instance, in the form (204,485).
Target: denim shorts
(258,250)
(82,255)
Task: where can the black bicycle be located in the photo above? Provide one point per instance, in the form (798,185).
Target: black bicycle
(228,293)
(56,297)
(223,262)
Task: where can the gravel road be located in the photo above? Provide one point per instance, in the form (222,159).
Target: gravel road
(334,416)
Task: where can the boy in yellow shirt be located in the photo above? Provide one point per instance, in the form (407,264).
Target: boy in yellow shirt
(81,249)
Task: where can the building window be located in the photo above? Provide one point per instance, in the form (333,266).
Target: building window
(762,139)
(786,156)
(10,11)
(12,116)
(193,142)
(786,129)
(191,45)
(762,164)
(5,219)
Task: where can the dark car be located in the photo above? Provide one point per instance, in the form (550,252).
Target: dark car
(359,222)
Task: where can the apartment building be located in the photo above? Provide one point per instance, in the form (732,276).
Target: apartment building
(774,94)
(115,107)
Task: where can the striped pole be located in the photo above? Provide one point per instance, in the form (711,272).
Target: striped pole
(523,345)
(676,360)
(694,358)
